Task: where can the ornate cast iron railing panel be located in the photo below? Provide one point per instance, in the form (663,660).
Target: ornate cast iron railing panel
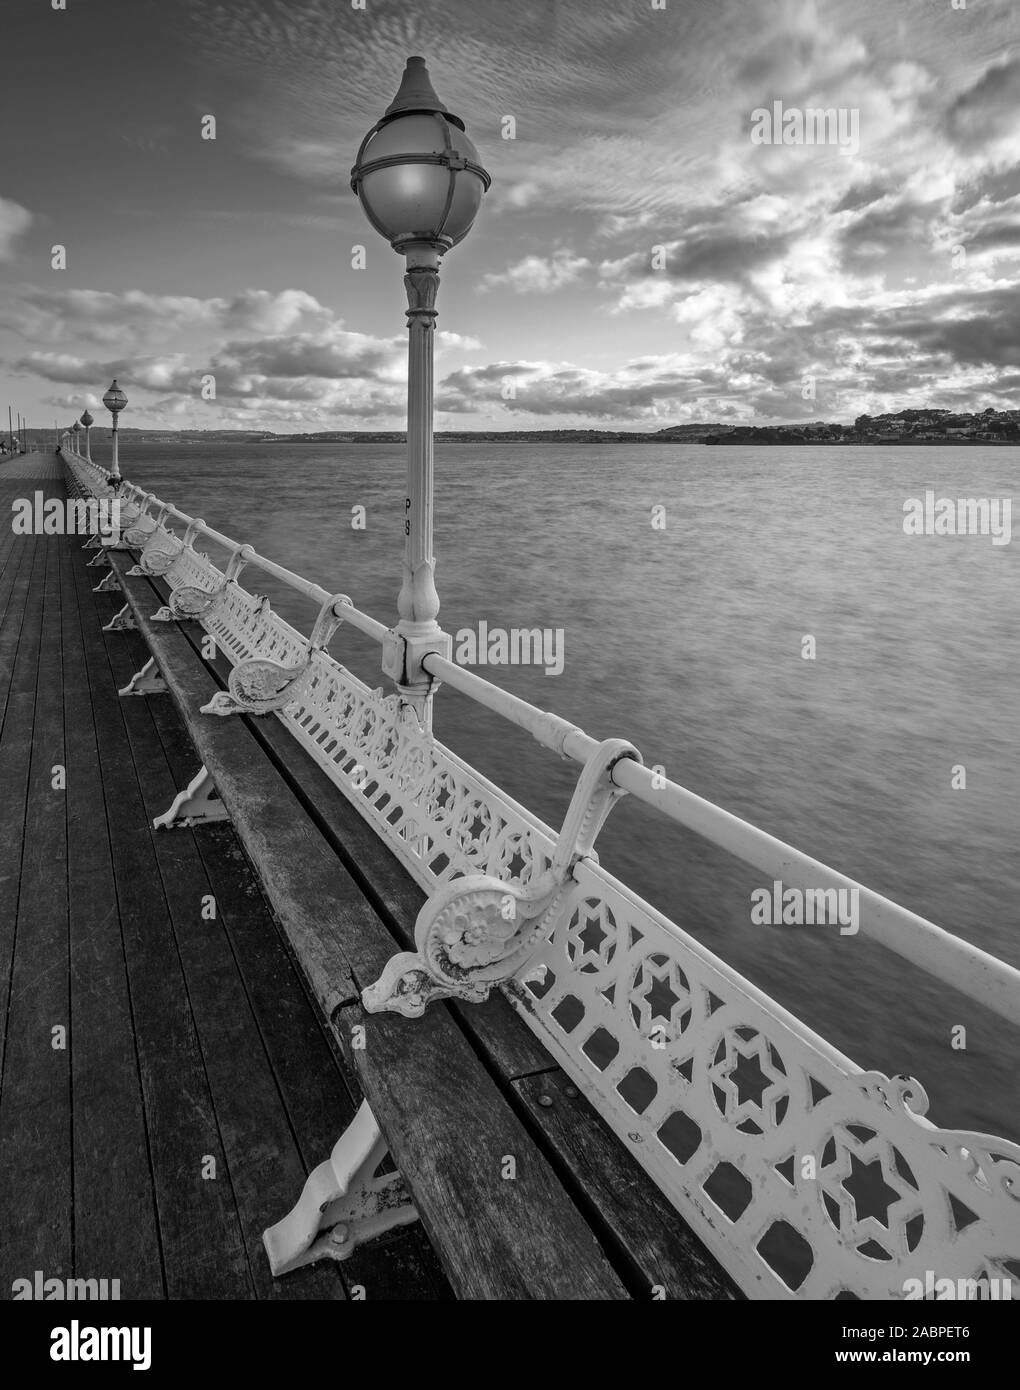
(805,1175)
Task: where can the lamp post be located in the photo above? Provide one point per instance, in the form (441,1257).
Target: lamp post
(75,431)
(87,423)
(115,401)
(420,183)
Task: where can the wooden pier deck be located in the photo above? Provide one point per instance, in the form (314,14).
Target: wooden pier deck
(166,1082)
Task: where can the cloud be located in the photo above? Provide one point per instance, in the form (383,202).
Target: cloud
(643,390)
(332,356)
(134,318)
(538,274)
(989,111)
(632,140)
(14,222)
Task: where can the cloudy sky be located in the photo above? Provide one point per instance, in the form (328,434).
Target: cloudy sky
(890,275)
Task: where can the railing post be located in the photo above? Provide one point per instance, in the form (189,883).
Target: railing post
(418,601)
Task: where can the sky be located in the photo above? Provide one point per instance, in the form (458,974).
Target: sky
(642,258)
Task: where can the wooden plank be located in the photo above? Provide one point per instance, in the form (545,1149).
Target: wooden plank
(505,1226)
(663,1256)
(264,1167)
(516,1238)
(15,587)
(12,547)
(35,1105)
(15,757)
(115,1231)
(203,1248)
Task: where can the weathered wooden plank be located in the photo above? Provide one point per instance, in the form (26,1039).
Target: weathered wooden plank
(263,1163)
(19,619)
(12,547)
(505,1226)
(14,587)
(115,1230)
(203,1247)
(35,1104)
(663,1257)
(19,663)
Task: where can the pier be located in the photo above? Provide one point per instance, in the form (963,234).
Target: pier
(283,922)
(297,1004)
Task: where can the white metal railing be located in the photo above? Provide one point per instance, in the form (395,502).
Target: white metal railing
(775,1147)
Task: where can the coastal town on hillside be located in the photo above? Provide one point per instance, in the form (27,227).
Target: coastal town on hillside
(933,426)
(990,426)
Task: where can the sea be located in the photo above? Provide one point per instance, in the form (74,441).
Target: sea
(686,580)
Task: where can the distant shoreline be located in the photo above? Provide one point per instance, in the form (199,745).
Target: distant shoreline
(935,426)
(716,443)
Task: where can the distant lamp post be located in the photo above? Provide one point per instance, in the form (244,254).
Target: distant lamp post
(115,401)
(75,431)
(87,423)
(420,183)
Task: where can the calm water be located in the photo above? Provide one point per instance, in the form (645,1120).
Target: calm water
(688,642)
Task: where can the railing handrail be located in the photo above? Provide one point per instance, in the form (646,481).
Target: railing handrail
(978,974)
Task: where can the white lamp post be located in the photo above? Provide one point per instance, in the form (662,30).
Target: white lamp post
(87,423)
(115,400)
(419,181)
(75,431)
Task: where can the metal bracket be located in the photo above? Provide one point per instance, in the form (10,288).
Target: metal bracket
(100,560)
(108,584)
(258,685)
(130,515)
(402,656)
(137,537)
(148,681)
(343,1203)
(93,543)
(479,930)
(198,804)
(154,561)
(190,602)
(122,621)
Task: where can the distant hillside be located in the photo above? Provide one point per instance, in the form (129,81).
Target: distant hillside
(689,434)
(915,426)
(933,426)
